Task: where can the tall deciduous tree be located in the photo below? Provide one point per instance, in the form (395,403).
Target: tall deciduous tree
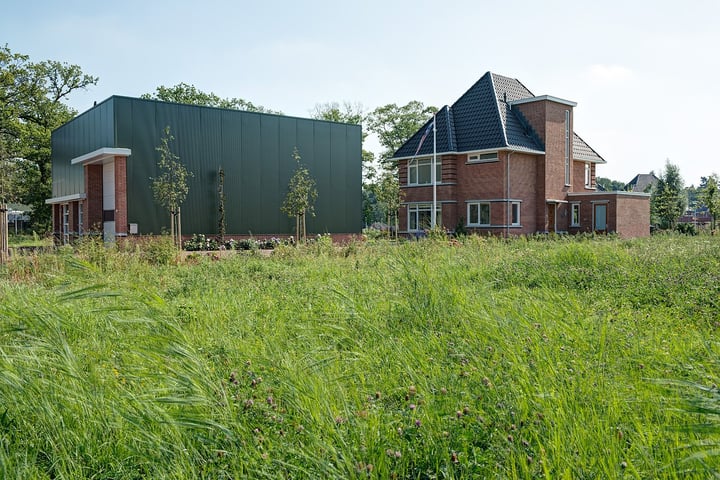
(668,201)
(394,125)
(170,188)
(301,196)
(390,196)
(31,96)
(185,93)
(710,196)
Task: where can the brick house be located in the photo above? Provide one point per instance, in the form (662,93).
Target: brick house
(509,163)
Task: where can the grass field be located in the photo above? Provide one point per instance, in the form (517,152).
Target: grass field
(570,359)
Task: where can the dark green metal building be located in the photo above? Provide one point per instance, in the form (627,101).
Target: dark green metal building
(104,159)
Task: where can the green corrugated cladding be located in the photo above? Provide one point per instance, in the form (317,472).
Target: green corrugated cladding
(254,150)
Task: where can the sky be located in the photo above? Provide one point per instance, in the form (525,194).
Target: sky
(643,73)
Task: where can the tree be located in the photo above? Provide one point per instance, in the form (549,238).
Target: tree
(221,205)
(390,196)
(31,96)
(667,201)
(301,196)
(394,125)
(189,94)
(607,185)
(710,196)
(170,188)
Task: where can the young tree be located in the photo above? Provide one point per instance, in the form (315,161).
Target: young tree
(221,205)
(301,196)
(667,201)
(390,196)
(184,93)
(394,125)
(710,196)
(31,96)
(170,188)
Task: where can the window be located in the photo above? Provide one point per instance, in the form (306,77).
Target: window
(419,216)
(80,218)
(66,224)
(515,213)
(482,157)
(478,214)
(567,147)
(588,175)
(575,215)
(420,170)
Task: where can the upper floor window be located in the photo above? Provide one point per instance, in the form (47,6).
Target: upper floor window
(567,147)
(420,171)
(588,175)
(482,157)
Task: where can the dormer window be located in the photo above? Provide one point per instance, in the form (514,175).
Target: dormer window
(482,157)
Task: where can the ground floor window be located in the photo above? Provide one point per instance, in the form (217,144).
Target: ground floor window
(419,216)
(479,214)
(66,223)
(575,215)
(515,213)
(80,218)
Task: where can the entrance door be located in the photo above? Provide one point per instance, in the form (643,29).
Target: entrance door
(551,217)
(600,218)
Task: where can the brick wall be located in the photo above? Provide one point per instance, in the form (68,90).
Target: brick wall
(121,220)
(628,214)
(94,198)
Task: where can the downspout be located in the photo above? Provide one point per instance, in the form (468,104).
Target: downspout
(508,211)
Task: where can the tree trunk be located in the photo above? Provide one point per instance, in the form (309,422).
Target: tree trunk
(4,251)
(179,229)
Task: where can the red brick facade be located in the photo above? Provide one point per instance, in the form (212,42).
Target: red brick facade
(92,204)
(538,182)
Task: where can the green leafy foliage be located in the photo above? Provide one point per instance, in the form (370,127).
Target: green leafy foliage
(668,200)
(394,125)
(300,199)
(170,188)
(189,94)
(31,96)
(710,197)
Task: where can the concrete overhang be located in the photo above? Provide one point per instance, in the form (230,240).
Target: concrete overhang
(541,98)
(66,198)
(100,156)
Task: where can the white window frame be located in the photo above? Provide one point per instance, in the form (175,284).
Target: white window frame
(414,210)
(574,214)
(479,206)
(588,175)
(483,157)
(416,163)
(65,212)
(80,218)
(515,214)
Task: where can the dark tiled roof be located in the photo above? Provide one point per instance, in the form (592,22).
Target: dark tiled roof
(482,119)
(641,182)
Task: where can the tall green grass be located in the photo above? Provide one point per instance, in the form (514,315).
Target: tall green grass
(476,359)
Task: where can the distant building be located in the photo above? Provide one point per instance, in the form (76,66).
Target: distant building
(510,163)
(104,159)
(643,182)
